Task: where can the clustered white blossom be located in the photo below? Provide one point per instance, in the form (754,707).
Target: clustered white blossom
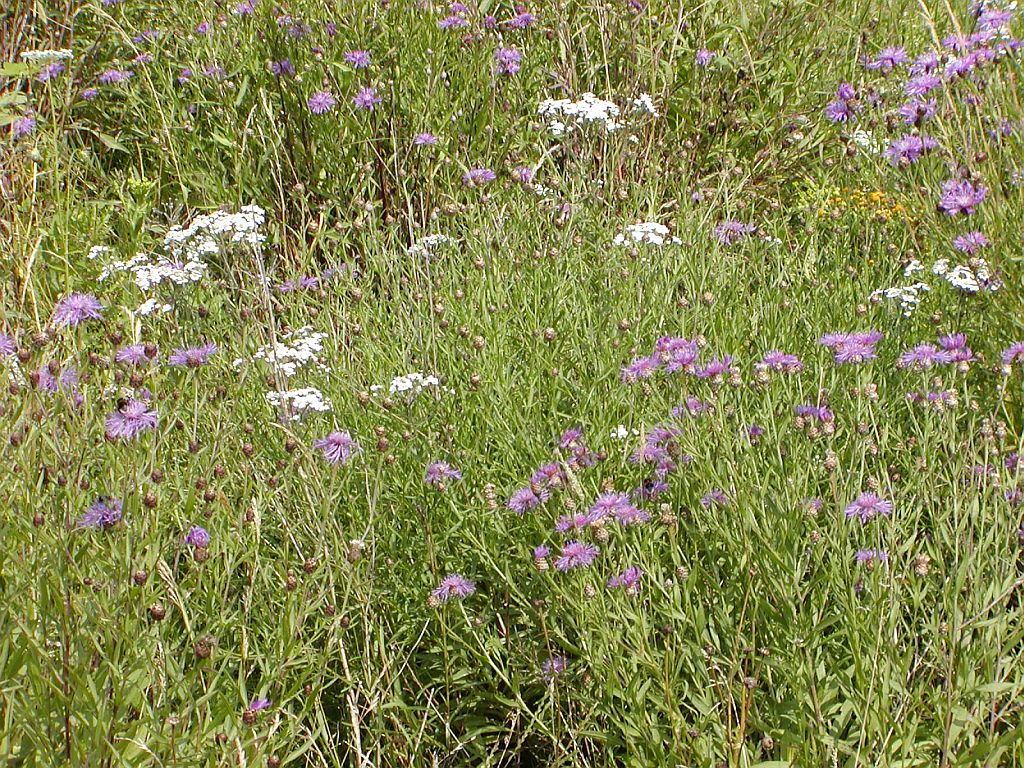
(621,433)
(411,385)
(649,232)
(564,115)
(299,402)
(867,142)
(425,247)
(909,296)
(296,350)
(970,278)
(36,57)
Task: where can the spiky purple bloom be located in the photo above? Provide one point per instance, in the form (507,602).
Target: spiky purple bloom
(717,368)
(440,473)
(478,177)
(259,704)
(134,354)
(552,668)
(245,8)
(922,85)
(197,537)
(541,551)
(576,554)
(425,139)
(285,68)
(640,368)
(76,308)
(7,345)
(730,231)
(925,63)
(868,557)
(820,413)
(366,98)
(916,111)
(781,361)
(970,243)
(131,420)
(358,59)
(856,347)
(113,76)
(522,20)
(50,71)
(867,506)
(453,21)
(908,149)
(1013,353)
(888,59)
(321,102)
(628,580)
(924,356)
(103,513)
(955,344)
(90,93)
(193,357)
(337,447)
(704,57)
(203,28)
(453,586)
(525,499)
(523,174)
(846,92)
(676,353)
(714,498)
(961,197)
(839,111)
(507,61)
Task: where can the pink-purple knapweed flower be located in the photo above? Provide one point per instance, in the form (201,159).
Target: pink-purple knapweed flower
(76,308)
(970,243)
(960,196)
(103,513)
(731,231)
(197,537)
(576,554)
(321,102)
(193,357)
(425,139)
(628,580)
(507,61)
(704,57)
(337,447)
(1013,354)
(478,177)
(358,59)
(440,473)
(130,420)
(366,98)
(867,506)
(452,586)
(137,354)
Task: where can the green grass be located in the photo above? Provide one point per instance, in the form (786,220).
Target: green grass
(756,637)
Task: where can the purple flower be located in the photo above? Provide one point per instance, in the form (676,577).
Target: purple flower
(955,345)
(112,76)
(846,92)
(104,513)
(839,111)
(553,667)
(961,197)
(366,98)
(439,473)
(714,498)
(478,177)
(425,139)
(640,368)
(203,28)
(7,345)
(888,59)
(926,62)
(922,84)
(321,102)
(908,149)
(135,354)
(677,354)
(452,22)
(337,447)
(259,704)
(717,368)
(970,243)
(867,506)
(1013,353)
(50,71)
(285,68)
(576,554)
(852,347)
(193,357)
(522,20)
(868,557)
(507,61)
(245,8)
(780,361)
(731,231)
(916,111)
(525,499)
(453,586)
(628,580)
(197,537)
(704,57)
(924,356)
(76,308)
(90,93)
(541,551)
(358,59)
(130,420)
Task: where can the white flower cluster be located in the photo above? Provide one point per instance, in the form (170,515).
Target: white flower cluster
(425,247)
(149,306)
(298,402)
(867,142)
(38,57)
(969,279)
(296,350)
(621,433)
(149,273)
(564,114)
(909,296)
(648,232)
(204,235)
(644,103)
(412,384)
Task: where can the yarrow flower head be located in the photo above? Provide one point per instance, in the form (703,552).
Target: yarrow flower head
(337,447)
(76,308)
(867,506)
(452,586)
(103,513)
(131,420)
